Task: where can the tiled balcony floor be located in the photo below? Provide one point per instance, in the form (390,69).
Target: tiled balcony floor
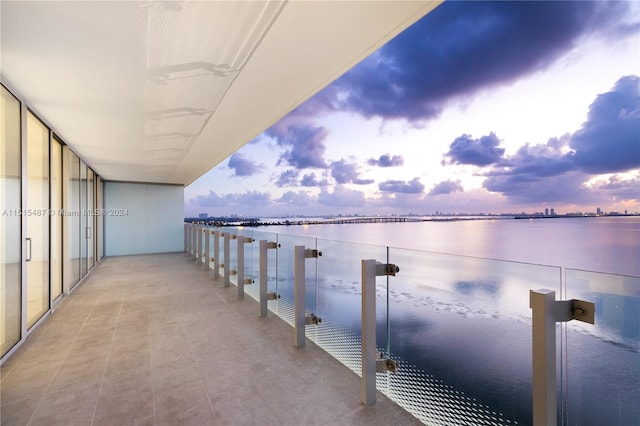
(153,340)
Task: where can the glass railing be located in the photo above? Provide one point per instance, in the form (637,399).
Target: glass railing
(602,380)
(459,328)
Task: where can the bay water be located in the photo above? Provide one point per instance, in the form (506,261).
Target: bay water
(458,310)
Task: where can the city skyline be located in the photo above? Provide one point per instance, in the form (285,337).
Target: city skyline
(471,109)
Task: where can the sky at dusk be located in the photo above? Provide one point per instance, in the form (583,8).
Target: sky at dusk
(490,107)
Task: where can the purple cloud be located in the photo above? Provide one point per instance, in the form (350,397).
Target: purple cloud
(462,47)
(446,187)
(478,152)
(310,179)
(341,197)
(288,178)
(399,186)
(386,160)
(344,172)
(298,199)
(304,145)
(609,141)
(241,166)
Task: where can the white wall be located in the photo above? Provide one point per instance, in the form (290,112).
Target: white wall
(143,218)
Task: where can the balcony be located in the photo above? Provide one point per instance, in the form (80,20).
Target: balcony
(213,336)
(153,340)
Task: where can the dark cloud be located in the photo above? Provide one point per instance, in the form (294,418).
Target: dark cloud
(345,172)
(288,178)
(386,160)
(446,187)
(241,166)
(538,174)
(399,186)
(462,47)
(304,145)
(609,141)
(478,152)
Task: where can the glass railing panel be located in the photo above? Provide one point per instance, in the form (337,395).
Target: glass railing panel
(460,328)
(283,306)
(339,299)
(602,376)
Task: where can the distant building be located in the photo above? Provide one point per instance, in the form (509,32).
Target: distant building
(546,211)
(598,211)
(553,212)
(203,216)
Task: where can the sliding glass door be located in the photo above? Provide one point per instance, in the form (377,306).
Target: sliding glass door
(36,213)
(91,217)
(48,222)
(72,220)
(56,218)
(10,224)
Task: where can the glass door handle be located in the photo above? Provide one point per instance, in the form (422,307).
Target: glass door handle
(28,240)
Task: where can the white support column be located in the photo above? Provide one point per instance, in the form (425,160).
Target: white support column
(227,260)
(369,350)
(207,248)
(299,278)
(216,255)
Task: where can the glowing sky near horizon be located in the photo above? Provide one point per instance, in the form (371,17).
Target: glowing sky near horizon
(484,107)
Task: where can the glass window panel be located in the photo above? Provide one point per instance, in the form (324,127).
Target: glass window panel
(37,216)
(83,219)
(56,219)
(72,219)
(91,205)
(10,244)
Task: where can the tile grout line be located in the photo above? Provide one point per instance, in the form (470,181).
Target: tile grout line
(206,388)
(104,371)
(66,355)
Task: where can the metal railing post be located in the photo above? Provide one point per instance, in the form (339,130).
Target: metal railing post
(546,312)
(216,255)
(301,317)
(298,295)
(242,281)
(544,357)
(369,351)
(372,360)
(263,278)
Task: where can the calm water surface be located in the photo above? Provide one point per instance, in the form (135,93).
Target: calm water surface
(466,320)
(601,244)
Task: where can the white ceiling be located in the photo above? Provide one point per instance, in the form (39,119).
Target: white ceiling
(164,91)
